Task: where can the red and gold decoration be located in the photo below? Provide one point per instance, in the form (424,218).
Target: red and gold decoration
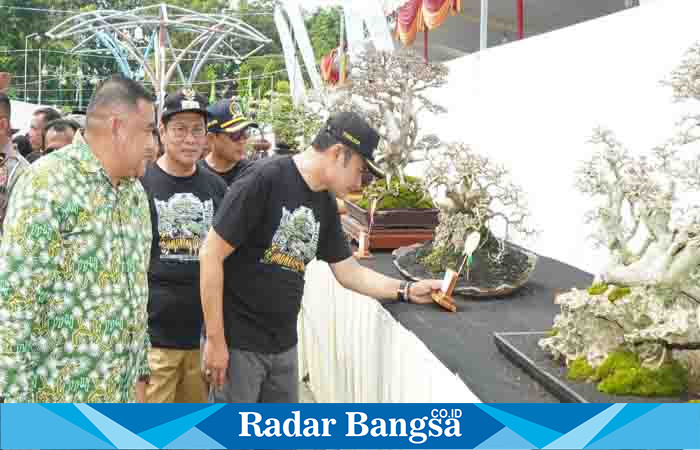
(423,15)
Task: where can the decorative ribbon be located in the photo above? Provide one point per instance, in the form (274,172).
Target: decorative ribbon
(422,15)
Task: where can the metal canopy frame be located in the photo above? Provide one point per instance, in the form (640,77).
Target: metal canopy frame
(115,29)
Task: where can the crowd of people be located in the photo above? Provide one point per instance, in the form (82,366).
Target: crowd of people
(148,260)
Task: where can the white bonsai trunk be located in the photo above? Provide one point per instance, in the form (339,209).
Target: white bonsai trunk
(666,262)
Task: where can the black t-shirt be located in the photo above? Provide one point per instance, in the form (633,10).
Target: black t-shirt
(182,210)
(232,174)
(277,225)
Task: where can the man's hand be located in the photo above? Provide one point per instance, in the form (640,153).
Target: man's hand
(140,392)
(420,291)
(215,361)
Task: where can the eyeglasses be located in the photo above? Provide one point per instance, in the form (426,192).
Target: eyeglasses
(179,132)
(238,135)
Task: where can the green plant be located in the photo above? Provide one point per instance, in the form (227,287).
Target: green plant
(618,293)
(580,370)
(598,289)
(409,195)
(292,125)
(623,374)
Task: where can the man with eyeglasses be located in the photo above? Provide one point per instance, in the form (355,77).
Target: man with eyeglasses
(183,199)
(11,162)
(228,136)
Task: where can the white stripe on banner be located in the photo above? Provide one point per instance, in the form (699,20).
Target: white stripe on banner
(370,13)
(302,39)
(296,79)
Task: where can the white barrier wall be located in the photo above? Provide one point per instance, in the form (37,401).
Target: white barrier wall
(532,105)
(22,114)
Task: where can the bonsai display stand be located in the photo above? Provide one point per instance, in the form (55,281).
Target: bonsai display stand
(385,238)
(522,350)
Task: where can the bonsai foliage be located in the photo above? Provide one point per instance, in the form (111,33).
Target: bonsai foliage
(645,302)
(477,195)
(292,125)
(639,204)
(389,90)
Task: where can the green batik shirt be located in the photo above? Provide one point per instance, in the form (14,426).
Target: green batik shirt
(73,283)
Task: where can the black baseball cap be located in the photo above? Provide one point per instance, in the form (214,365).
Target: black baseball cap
(354,132)
(225,116)
(185,100)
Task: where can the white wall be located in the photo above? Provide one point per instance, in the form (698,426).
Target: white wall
(532,105)
(22,114)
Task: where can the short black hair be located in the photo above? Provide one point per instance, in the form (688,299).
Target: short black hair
(48,114)
(23,146)
(118,90)
(59,125)
(5,105)
(324,140)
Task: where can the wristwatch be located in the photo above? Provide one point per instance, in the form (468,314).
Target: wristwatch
(402,293)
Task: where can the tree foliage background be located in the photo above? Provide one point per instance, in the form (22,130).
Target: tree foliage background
(21,18)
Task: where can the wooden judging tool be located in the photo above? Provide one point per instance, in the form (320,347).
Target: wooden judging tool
(363,239)
(443,297)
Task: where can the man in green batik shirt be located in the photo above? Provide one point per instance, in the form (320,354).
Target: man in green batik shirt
(74,261)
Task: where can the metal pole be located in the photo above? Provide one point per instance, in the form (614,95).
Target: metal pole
(521,25)
(26,38)
(484,25)
(40,73)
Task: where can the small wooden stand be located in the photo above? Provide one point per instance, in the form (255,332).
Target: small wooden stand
(443,297)
(363,249)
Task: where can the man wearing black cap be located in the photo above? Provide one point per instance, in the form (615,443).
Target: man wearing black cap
(183,200)
(276,217)
(228,135)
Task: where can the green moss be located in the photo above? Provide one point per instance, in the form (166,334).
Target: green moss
(616,361)
(597,289)
(580,370)
(439,258)
(617,293)
(622,374)
(409,195)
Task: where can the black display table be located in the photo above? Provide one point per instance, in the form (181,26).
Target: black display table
(464,341)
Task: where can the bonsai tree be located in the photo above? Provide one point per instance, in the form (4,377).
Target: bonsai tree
(475,194)
(293,126)
(389,90)
(635,329)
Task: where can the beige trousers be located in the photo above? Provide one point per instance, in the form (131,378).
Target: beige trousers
(175,377)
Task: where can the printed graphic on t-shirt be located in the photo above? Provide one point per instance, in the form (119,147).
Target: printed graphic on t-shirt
(183,223)
(296,240)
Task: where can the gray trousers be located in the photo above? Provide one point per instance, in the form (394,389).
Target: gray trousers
(259,378)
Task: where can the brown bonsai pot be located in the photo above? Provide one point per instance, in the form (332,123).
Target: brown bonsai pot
(394,218)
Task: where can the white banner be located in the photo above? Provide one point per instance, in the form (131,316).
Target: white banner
(377,26)
(370,13)
(302,39)
(296,79)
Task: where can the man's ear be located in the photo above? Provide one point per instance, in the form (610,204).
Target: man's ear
(336,151)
